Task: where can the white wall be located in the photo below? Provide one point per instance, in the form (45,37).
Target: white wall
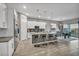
(9,18)
(23,27)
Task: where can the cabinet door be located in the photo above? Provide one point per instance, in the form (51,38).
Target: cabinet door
(3,16)
(3,49)
(11,46)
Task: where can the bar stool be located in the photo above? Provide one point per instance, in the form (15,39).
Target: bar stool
(50,37)
(35,38)
(42,37)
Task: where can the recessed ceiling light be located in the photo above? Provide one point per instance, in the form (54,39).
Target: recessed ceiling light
(48,17)
(24,7)
(39,16)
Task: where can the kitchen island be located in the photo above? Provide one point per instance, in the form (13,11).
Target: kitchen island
(43,38)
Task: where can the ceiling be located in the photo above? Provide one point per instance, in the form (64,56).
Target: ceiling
(50,11)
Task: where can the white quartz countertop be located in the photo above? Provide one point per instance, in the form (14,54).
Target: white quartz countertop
(39,33)
(43,33)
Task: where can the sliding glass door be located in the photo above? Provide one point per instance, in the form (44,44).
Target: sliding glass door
(74,30)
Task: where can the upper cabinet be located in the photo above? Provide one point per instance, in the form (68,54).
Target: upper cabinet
(3,21)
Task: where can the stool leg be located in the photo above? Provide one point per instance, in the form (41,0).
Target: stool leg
(34,45)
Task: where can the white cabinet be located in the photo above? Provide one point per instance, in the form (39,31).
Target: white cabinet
(11,47)
(3,22)
(3,49)
(7,48)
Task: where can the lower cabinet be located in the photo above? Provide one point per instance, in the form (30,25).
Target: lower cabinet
(4,49)
(11,47)
(7,48)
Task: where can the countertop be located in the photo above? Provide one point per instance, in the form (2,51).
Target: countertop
(5,39)
(43,33)
(39,33)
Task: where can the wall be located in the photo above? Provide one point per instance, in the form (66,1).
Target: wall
(23,27)
(10,30)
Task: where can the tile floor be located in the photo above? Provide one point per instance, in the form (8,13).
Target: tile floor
(62,48)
